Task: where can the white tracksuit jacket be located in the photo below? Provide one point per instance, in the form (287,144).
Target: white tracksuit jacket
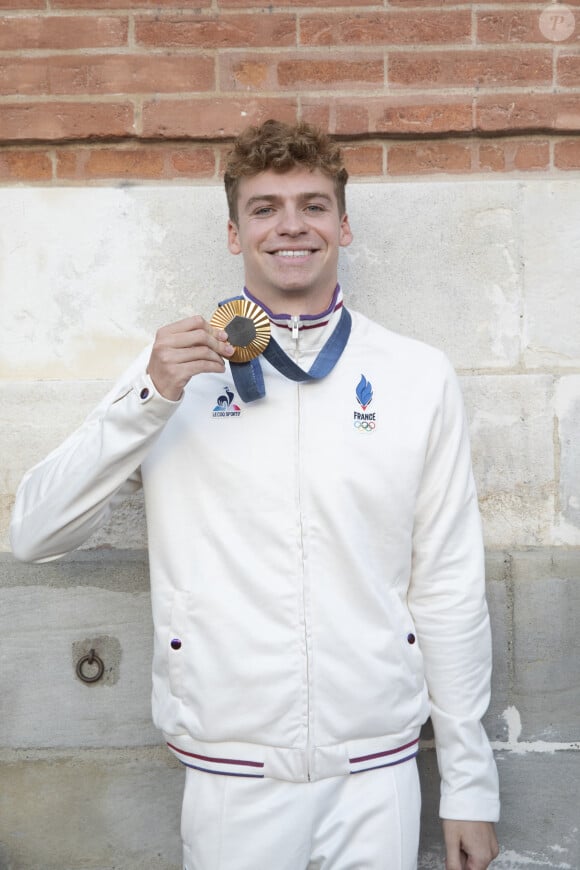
(316,566)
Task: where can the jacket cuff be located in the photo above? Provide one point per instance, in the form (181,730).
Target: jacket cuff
(146,391)
(467,808)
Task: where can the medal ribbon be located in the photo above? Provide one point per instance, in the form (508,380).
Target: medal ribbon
(248,376)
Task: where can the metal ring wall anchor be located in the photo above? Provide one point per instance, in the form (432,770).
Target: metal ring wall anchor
(92,660)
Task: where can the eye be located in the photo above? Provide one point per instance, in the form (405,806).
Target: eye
(315,207)
(263,211)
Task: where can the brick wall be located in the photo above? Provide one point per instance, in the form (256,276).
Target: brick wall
(94,92)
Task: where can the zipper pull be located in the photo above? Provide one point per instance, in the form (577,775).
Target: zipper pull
(295,326)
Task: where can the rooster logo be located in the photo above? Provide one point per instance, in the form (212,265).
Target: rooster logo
(226,402)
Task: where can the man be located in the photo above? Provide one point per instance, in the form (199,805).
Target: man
(315,547)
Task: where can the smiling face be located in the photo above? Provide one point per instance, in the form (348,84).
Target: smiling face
(289,232)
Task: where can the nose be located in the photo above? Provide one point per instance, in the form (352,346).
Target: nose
(291,222)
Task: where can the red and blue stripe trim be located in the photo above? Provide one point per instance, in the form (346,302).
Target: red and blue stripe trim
(220,766)
(385,759)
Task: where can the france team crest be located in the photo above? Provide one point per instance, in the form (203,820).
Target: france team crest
(363,420)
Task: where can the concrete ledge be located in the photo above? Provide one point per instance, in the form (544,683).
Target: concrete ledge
(104,811)
(120,809)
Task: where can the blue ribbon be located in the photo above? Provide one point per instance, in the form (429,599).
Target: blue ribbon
(248,376)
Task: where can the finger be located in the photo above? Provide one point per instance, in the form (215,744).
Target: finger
(183,355)
(188,324)
(216,339)
(453,857)
(192,325)
(481,861)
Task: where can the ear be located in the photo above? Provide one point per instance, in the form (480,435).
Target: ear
(234,245)
(345,237)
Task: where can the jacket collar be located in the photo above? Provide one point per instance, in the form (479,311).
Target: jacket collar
(304,332)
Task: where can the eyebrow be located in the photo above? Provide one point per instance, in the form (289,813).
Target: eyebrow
(274,198)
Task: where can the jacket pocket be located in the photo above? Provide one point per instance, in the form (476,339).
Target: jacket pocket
(407,641)
(180,643)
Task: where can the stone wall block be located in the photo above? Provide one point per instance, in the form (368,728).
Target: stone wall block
(567,530)
(93,811)
(511,428)
(499,599)
(82,297)
(43,632)
(440,267)
(547,645)
(551,252)
(36,417)
(538,828)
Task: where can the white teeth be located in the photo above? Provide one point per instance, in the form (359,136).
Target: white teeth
(292,253)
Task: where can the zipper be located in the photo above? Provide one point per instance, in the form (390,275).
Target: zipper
(306,638)
(295,321)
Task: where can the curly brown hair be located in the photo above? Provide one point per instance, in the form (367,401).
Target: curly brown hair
(279,146)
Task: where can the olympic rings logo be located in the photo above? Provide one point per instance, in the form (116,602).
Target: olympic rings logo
(364,425)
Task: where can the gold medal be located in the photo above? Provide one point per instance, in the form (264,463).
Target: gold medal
(247,326)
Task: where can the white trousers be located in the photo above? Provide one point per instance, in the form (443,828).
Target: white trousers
(365,821)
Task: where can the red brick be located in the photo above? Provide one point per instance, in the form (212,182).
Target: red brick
(25,165)
(530,112)
(397,115)
(423,3)
(492,156)
(101,163)
(509,156)
(428,158)
(349,118)
(54,32)
(190,163)
(322,73)
(396,28)
(363,159)
(212,118)
(221,152)
(105,74)
(568,70)
(390,115)
(567,154)
(512,27)
(274,4)
(531,155)
(17,5)
(230,31)
(253,72)
(146,162)
(470,68)
(127,4)
(319,112)
(54,121)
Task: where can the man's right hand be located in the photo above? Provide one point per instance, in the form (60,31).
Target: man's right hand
(184,349)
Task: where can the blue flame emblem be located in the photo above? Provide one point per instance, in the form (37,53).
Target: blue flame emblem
(364,392)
